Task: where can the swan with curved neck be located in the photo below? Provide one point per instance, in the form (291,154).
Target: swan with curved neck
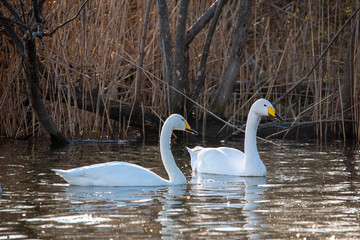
(230,161)
(128,174)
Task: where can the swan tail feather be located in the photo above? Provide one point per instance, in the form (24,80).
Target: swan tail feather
(193,157)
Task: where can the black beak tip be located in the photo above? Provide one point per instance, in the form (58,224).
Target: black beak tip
(192,131)
(277,116)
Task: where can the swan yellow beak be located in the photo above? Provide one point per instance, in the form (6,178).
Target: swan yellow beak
(188,128)
(273,113)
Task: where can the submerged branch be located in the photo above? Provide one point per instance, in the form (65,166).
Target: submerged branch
(92,101)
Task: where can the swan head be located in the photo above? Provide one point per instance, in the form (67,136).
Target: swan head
(263,107)
(179,123)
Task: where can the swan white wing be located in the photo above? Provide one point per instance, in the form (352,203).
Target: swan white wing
(220,161)
(233,153)
(111,174)
(230,161)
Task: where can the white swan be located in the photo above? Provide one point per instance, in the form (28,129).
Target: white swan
(230,161)
(128,174)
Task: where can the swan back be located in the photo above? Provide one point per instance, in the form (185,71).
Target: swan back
(111,174)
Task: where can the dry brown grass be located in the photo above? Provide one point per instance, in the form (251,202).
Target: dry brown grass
(284,41)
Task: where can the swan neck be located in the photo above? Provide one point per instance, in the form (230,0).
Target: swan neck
(175,175)
(250,133)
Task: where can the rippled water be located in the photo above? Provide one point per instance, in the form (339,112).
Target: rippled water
(311,191)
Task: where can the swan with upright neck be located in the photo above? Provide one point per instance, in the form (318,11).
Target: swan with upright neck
(128,174)
(230,161)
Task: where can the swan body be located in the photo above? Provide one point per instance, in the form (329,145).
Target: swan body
(230,161)
(128,174)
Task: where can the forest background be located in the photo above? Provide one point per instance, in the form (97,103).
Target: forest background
(106,68)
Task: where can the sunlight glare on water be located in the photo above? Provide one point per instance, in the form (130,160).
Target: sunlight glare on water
(311,191)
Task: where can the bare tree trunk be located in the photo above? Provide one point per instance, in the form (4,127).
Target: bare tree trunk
(35,97)
(27,49)
(32,78)
(179,66)
(180,73)
(237,50)
(200,76)
(165,44)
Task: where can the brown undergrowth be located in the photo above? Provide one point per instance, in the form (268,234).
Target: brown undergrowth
(100,50)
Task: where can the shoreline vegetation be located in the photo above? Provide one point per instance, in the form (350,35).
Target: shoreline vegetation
(115,69)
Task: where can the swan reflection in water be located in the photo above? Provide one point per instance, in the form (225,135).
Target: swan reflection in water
(228,203)
(208,205)
(107,198)
(213,205)
(145,210)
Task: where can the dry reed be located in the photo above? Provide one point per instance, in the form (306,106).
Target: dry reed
(285,39)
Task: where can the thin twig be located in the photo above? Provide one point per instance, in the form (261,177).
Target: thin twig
(312,106)
(16,22)
(66,22)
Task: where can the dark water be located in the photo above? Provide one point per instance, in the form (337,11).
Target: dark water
(311,191)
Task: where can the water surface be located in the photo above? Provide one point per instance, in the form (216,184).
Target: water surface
(311,191)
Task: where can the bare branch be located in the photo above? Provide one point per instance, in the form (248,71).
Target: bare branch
(12,34)
(16,16)
(200,23)
(66,22)
(318,61)
(180,59)
(200,76)
(15,22)
(236,55)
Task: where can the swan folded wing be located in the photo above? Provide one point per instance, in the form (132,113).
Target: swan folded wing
(233,153)
(111,174)
(220,161)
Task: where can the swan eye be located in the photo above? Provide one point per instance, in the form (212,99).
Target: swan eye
(264,105)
